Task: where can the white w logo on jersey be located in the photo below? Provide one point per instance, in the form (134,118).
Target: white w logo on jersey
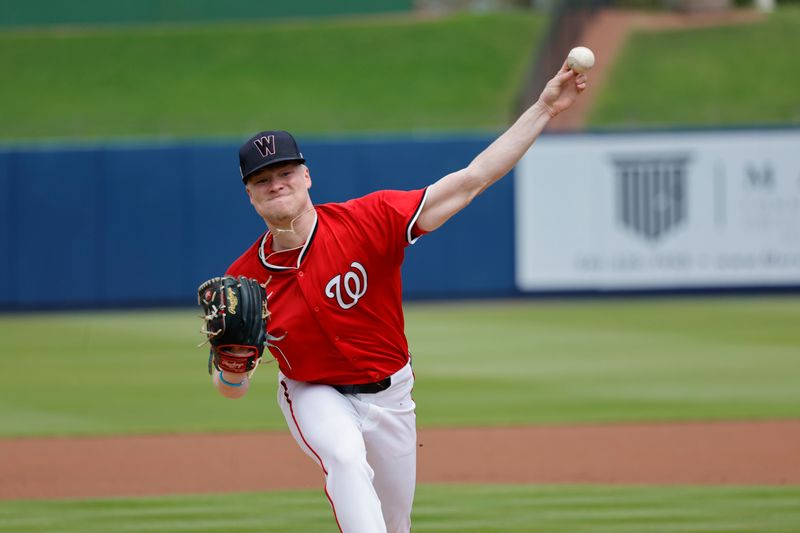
(355,286)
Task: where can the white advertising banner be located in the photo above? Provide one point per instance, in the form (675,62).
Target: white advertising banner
(658,211)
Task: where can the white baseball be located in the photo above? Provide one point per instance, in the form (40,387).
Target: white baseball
(580,59)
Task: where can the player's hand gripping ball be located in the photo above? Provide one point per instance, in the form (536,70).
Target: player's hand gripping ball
(235,316)
(580,59)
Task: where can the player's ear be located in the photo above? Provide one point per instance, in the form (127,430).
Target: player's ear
(307,177)
(247,189)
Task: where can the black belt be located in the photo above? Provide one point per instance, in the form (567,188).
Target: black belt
(365,388)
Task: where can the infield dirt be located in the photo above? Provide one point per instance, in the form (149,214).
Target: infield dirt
(763,453)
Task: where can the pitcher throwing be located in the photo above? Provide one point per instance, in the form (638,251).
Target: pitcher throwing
(328,295)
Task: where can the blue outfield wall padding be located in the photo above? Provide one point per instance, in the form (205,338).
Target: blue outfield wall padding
(56,228)
(144,225)
(143,213)
(7,218)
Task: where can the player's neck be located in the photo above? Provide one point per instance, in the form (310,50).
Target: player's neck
(293,233)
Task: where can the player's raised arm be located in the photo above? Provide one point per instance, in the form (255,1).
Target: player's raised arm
(455,191)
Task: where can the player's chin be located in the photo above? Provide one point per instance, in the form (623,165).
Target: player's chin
(277,209)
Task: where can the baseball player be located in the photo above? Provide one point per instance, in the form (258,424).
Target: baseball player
(335,326)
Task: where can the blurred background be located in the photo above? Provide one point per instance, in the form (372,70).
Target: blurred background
(642,263)
(120,124)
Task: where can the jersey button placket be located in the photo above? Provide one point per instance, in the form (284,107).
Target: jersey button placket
(305,289)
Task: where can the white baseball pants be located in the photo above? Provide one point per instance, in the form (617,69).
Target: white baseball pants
(366,445)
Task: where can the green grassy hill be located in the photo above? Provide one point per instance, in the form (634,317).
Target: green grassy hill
(719,76)
(378,74)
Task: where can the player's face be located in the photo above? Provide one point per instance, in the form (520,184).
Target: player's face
(280,192)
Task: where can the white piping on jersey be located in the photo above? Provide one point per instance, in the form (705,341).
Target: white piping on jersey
(270,344)
(414,219)
(300,256)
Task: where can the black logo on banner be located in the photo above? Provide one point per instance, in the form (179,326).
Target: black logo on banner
(651,193)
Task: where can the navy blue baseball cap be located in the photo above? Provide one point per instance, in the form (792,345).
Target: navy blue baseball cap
(267,148)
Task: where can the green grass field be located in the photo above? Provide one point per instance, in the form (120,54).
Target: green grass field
(377,74)
(384,74)
(484,363)
(718,76)
(457,509)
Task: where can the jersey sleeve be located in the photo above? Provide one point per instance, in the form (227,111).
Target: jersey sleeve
(392,215)
(405,207)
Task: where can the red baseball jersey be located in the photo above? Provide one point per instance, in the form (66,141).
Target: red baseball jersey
(336,302)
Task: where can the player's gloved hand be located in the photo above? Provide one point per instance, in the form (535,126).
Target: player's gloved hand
(235,316)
